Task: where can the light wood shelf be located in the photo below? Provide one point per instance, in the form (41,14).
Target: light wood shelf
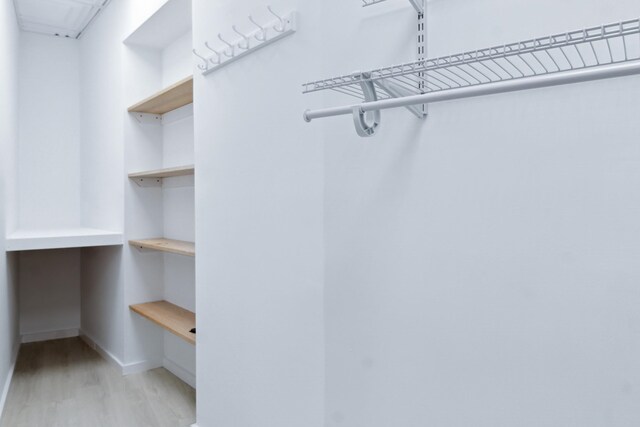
(169,316)
(166,245)
(164,173)
(169,99)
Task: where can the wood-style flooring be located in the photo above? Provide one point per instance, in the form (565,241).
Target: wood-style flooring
(64,383)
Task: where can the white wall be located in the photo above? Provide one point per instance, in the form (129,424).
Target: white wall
(102,153)
(49,179)
(177,60)
(49,151)
(482,267)
(102,307)
(259,270)
(178,202)
(49,291)
(105,315)
(9,48)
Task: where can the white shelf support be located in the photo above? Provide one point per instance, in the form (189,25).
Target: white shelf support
(396,91)
(148,119)
(422,52)
(418,5)
(148,182)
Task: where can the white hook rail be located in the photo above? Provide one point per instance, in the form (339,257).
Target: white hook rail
(595,53)
(261,36)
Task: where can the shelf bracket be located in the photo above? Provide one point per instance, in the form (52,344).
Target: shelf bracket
(142,250)
(418,5)
(396,91)
(147,119)
(148,182)
(366,124)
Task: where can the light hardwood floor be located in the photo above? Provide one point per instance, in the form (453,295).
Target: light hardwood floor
(64,383)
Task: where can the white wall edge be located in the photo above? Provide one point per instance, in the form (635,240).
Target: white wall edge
(108,356)
(180,372)
(140,367)
(128,369)
(7,384)
(50,335)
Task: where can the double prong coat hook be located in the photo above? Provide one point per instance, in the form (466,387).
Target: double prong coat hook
(279,28)
(231,47)
(218,55)
(247,41)
(206,62)
(262,34)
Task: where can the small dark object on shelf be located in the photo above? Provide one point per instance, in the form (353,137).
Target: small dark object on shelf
(193,331)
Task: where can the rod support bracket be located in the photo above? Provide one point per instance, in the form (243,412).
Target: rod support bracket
(366,124)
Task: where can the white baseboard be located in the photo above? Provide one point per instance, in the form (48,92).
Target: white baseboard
(49,335)
(108,356)
(128,369)
(7,383)
(180,372)
(139,367)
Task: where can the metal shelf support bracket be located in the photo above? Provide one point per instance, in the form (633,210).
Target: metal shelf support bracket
(418,5)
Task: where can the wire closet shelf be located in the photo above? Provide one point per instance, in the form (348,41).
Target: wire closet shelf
(566,53)
(418,5)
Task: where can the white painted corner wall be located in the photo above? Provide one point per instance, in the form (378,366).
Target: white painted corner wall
(49,172)
(48,182)
(259,226)
(9,334)
(481,267)
(49,294)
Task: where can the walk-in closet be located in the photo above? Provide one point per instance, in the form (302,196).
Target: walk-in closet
(319,213)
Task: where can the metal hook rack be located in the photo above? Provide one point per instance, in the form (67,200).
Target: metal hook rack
(594,53)
(261,36)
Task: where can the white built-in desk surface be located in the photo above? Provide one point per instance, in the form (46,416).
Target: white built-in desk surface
(29,240)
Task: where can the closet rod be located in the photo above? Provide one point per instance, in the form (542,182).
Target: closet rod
(578,76)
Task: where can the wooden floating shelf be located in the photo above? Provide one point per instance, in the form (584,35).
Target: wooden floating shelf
(164,173)
(169,316)
(166,245)
(169,99)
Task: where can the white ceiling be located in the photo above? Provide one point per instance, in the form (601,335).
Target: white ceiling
(63,18)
